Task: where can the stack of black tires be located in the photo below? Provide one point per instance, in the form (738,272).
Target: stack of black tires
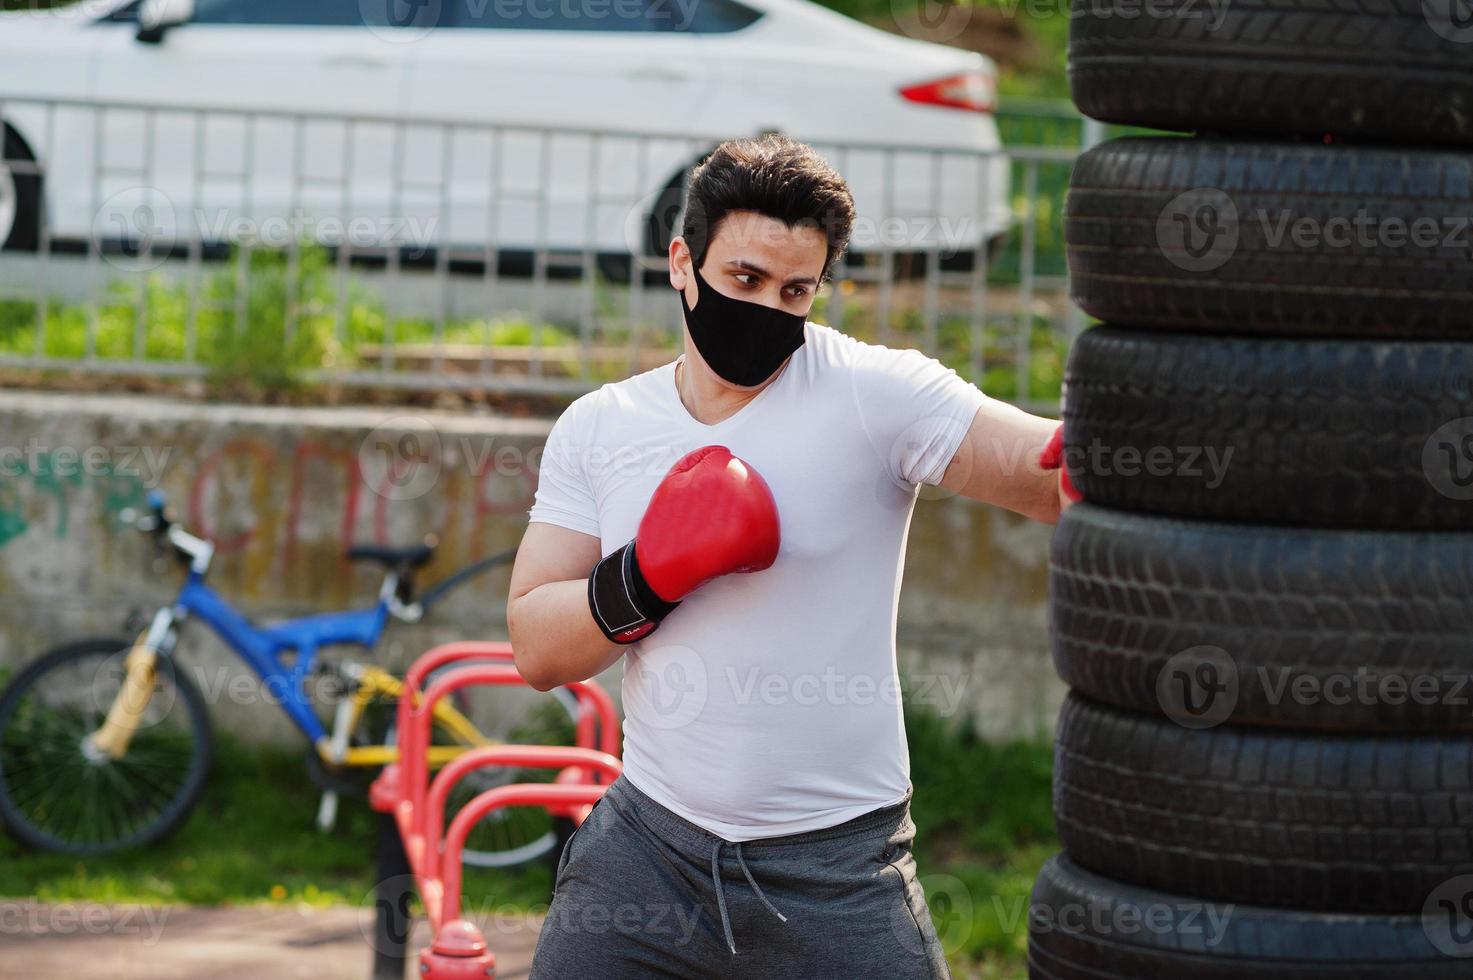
(1264,607)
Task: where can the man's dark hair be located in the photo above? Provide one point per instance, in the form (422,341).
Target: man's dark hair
(772,175)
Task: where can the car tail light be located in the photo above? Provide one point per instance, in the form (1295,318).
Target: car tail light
(974,90)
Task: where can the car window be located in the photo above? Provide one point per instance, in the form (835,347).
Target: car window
(682,16)
(713,16)
(127,12)
(650,16)
(322,13)
(304,13)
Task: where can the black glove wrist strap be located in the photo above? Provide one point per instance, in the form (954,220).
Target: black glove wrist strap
(622,602)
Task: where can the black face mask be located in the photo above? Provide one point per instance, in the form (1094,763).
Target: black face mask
(744,342)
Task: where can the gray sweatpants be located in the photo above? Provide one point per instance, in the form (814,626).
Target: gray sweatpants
(643,892)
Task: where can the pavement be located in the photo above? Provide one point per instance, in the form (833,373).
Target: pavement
(80,941)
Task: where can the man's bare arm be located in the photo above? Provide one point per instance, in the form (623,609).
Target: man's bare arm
(553,633)
(997,463)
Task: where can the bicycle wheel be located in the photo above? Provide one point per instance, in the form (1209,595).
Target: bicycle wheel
(517,835)
(58,794)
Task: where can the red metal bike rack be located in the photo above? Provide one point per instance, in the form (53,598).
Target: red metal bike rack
(403,789)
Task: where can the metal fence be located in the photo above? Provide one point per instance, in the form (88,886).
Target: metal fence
(288,248)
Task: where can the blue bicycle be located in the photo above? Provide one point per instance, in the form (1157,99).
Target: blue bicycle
(106,743)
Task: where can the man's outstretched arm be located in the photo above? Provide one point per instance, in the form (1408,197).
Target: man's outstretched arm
(998,463)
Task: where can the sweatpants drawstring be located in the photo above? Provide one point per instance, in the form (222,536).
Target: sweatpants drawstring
(721,893)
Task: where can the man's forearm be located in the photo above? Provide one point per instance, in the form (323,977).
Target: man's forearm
(555,637)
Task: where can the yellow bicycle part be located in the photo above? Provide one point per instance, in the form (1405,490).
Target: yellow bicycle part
(376,682)
(128,705)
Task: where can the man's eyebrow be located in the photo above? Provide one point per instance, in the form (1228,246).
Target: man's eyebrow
(754,267)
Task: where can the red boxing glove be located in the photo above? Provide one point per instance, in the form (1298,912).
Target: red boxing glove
(1052,458)
(711,515)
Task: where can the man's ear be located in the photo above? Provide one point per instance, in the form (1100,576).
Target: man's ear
(680,259)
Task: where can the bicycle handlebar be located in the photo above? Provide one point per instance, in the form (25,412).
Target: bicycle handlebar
(436,592)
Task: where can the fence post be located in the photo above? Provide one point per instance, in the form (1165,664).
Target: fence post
(393,892)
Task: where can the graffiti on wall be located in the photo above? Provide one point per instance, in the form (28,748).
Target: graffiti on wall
(282,509)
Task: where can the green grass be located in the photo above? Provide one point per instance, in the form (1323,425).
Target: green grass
(294,323)
(982,811)
(257,323)
(984,825)
(250,839)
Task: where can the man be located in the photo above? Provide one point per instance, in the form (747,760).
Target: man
(733,524)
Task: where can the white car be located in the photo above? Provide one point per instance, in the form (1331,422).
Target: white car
(459,124)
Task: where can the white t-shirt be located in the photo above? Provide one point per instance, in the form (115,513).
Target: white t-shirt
(768,703)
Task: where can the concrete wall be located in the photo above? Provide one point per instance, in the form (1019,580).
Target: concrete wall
(283,490)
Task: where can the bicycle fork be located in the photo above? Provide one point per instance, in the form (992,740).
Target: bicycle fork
(111,740)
